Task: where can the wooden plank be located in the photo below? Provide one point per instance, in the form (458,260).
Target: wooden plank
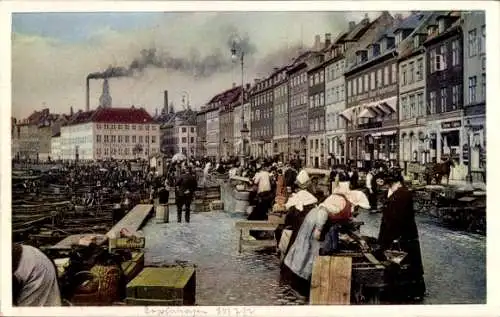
(325,282)
(67,242)
(340,281)
(331,281)
(256,225)
(315,282)
(133,220)
(373,260)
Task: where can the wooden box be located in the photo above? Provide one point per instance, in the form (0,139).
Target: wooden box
(130,243)
(134,266)
(163,286)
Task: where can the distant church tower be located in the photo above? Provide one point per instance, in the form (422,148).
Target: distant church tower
(105,99)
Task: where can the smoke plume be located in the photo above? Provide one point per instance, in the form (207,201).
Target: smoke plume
(193,64)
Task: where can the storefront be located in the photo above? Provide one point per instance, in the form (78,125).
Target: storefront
(336,148)
(414,146)
(475,129)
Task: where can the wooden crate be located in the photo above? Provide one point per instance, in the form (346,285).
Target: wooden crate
(134,266)
(331,281)
(163,286)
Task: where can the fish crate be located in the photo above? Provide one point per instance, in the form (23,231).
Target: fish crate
(130,242)
(134,266)
(163,286)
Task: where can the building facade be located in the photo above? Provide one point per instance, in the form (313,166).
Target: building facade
(280,118)
(444,69)
(55,147)
(316,115)
(474,88)
(262,96)
(227,120)
(412,78)
(298,91)
(118,133)
(372,119)
(201,128)
(213,137)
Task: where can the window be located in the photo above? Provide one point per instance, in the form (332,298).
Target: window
(413,112)
(119,127)
(360,85)
(411,71)
(184,140)
(455,54)
(432,102)
(134,139)
(372,80)
(342,92)
(394,73)
(403,75)
(127,139)
(349,88)
(472,43)
(140,127)
(386,75)
(354,86)
(98,138)
(482,46)
(322,99)
(140,138)
(321,77)
(192,129)
(432,60)
(120,138)
(404,107)
(379,78)
(366,82)
(337,94)
(420,69)
(420,104)
(472,89)
(153,139)
(444,100)
(483,90)
(454,97)
(444,57)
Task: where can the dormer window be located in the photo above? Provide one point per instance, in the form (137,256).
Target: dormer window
(416,41)
(441,25)
(431,29)
(383,45)
(374,50)
(399,37)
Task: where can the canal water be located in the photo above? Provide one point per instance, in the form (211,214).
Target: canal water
(223,276)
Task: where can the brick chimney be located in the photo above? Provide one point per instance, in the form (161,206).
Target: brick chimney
(328,39)
(352,24)
(165,101)
(317,42)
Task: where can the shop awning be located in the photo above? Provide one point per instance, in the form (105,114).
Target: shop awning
(347,114)
(368,112)
(389,105)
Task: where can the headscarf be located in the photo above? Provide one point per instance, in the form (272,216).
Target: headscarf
(303,180)
(301,199)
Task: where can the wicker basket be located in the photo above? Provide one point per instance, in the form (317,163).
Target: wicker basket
(102,289)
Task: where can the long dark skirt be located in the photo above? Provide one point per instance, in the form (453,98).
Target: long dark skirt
(260,212)
(300,285)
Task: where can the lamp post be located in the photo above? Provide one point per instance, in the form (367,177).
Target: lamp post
(147,139)
(237,52)
(468,129)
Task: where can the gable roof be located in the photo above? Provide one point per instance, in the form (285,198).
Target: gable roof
(113,115)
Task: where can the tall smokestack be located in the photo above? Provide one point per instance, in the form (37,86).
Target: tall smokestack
(165,101)
(87,104)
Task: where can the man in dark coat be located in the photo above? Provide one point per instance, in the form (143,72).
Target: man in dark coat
(398,229)
(185,187)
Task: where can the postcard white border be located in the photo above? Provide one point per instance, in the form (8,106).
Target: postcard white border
(493,48)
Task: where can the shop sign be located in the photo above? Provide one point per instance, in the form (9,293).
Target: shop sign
(451,124)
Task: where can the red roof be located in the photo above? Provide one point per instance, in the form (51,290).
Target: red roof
(114,115)
(122,115)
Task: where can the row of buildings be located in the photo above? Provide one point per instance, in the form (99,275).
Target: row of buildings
(409,89)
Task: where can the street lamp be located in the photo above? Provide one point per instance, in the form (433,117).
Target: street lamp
(237,52)
(468,129)
(147,139)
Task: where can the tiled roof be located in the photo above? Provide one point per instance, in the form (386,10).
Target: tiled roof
(122,115)
(113,115)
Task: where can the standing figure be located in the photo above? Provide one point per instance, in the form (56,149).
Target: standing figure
(185,188)
(399,229)
(34,278)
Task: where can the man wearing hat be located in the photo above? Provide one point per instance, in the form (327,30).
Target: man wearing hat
(398,229)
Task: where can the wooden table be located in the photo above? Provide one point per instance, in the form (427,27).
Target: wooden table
(133,220)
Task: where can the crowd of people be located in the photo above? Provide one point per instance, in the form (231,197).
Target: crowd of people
(315,217)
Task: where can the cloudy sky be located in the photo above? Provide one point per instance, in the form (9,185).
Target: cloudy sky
(52,53)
